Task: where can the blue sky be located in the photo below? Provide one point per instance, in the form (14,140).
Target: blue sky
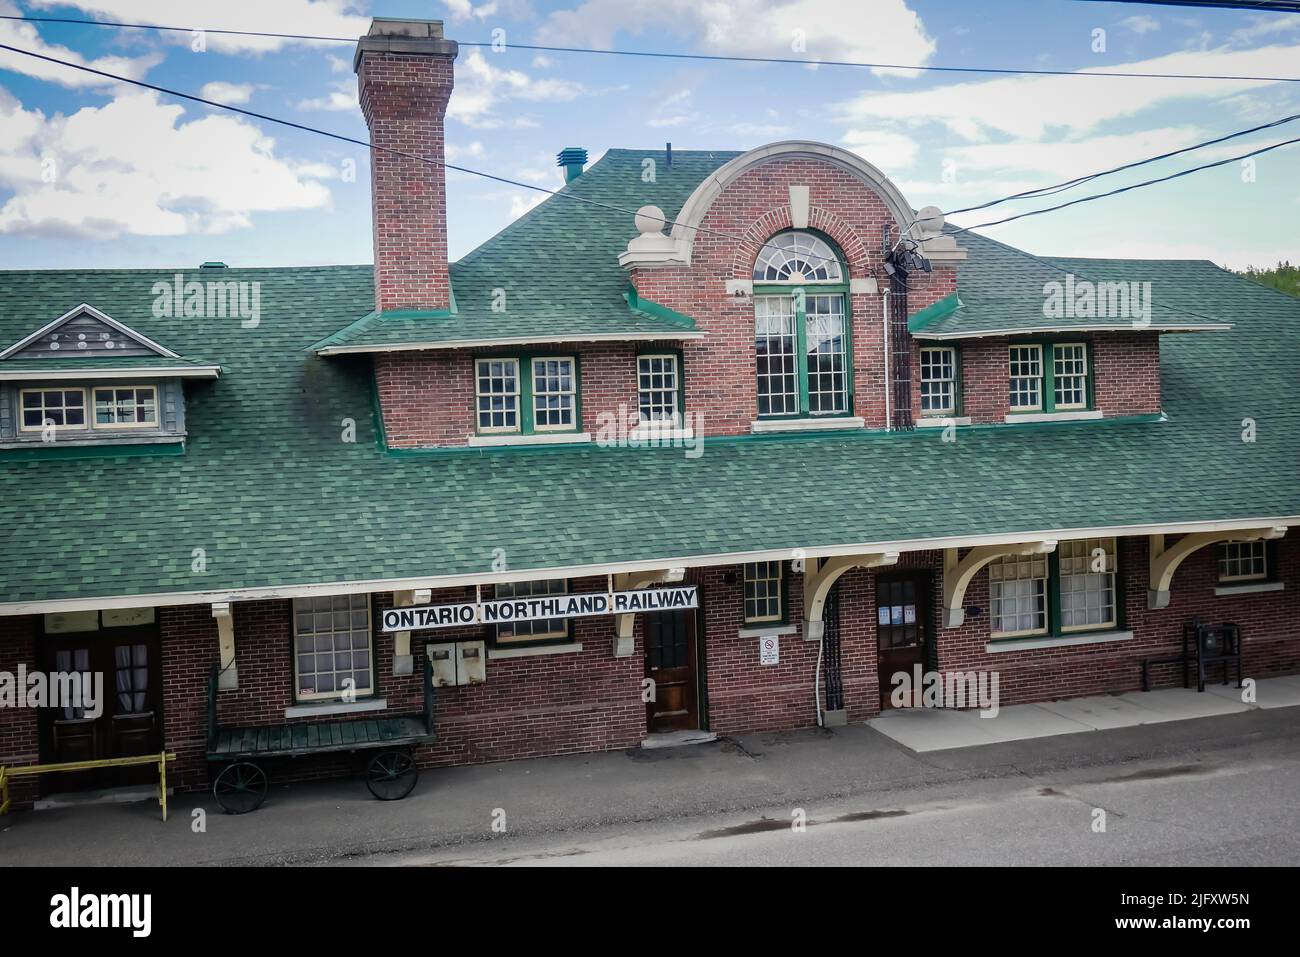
(101,175)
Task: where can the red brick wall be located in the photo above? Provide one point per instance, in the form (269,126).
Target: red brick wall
(404,99)
(19,727)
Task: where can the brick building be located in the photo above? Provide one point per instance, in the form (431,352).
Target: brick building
(850,439)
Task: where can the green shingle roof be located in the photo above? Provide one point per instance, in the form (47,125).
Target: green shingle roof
(271,493)
(162,365)
(557,266)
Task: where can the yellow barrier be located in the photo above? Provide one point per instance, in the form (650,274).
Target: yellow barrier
(159,759)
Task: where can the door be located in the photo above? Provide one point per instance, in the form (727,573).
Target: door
(129,718)
(902,630)
(670,662)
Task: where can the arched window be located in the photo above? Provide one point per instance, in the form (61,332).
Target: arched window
(801,335)
(797,257)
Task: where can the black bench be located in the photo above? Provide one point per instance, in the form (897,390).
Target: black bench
(391,773)
(1205,645)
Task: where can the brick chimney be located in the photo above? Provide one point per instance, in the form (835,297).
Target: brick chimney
(404,79)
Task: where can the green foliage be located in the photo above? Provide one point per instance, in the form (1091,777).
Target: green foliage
(1283,276)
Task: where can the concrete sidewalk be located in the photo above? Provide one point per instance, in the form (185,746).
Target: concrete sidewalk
(338,821)
(939,729)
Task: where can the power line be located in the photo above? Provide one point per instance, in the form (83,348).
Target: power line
(669,55)
(550,192)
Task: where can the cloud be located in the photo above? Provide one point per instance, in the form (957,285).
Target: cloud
(25,35)
(223,92)
(77,175)
(522,204)
(885,150)
(342,96)
(329,18)
(462,10)
(1028,107)
(816,29)
(1142,23)
(454,151)
(481,88)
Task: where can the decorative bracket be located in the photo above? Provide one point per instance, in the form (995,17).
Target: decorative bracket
(403,661)
(957,575)
(625,625)
(821,573)
(1165,561)
(227,673)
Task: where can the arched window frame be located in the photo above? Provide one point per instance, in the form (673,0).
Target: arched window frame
(799,404)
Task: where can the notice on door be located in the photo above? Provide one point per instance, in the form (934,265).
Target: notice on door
(769,650)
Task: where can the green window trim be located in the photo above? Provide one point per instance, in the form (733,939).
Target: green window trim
(783,596)
(526,413)
(1052,596)
(645,352)
(1047,377)
(958,400)
(800,293)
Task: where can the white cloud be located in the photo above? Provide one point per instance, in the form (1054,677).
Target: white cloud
(1029,106)
(328,18)
(462,10)
(1142,23)
(223,92)
(887,151)
(342,96)
(168,178)
(25,35)
(830,29)
(481,88)
(455,151)
(522,204)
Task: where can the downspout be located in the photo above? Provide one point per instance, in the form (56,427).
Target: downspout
(884,333)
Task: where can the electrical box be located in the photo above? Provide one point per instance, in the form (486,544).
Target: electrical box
(471,662)
(443,659)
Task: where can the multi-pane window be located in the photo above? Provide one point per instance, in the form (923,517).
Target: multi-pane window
(497,393)
(775,343)
(1018,595)
(764,592)
(1070,375)
(658,386)
(827,360)
(1026,383)
(1087,569)
(1243,561)
(938,380)
(541,630)
(797,257)
(126,406)
(62,408)
(555,394)
(332,648)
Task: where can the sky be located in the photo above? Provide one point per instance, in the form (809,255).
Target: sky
(97,174)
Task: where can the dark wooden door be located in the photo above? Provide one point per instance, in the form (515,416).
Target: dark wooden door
(670,662)
(129,721)
(902,628)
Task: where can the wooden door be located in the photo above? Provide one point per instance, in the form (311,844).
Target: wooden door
(670,662)
(902,629)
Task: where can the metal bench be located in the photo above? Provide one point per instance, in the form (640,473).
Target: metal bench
(391,774)
(1203,645)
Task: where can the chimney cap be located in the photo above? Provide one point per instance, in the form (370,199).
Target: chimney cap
(401,27)
(411,37)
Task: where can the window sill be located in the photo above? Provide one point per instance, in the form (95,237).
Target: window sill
(1249,588)
(1056,641)
(495,653)
(318,709)
(1082,415)
(807,425)
(539,438)
(755,631)
(942,422)
(651,434)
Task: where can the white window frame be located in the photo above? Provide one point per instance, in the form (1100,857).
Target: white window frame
(571,392)
(517,395)
(157,410)
(1012,378)
(675,417)
(950,381)
(1083,376)
(1245,551)
(1108,545)
(773,574)
(337,694)
(1044,580)
(85,411)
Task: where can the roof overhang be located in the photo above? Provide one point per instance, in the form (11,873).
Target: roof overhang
(1072,330)
(159,599)
(448,344)
(35,374)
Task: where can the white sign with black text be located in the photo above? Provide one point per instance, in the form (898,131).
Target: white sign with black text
(769,650)
(539,608)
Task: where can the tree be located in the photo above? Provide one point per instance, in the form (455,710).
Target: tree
(1284,276)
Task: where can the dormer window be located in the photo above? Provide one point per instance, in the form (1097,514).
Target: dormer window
(57,408)
(801,335)
(126,407)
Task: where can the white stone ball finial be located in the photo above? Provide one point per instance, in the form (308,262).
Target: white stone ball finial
(650,220)
(930,220)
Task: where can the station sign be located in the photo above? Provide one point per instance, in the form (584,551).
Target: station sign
(539,608)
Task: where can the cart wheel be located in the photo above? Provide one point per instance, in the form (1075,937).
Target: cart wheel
(240,788)
(391,775)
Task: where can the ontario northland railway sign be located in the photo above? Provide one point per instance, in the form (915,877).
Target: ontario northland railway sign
(541,607)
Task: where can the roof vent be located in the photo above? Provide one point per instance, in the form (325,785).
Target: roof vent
(573,159)
(213,264)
